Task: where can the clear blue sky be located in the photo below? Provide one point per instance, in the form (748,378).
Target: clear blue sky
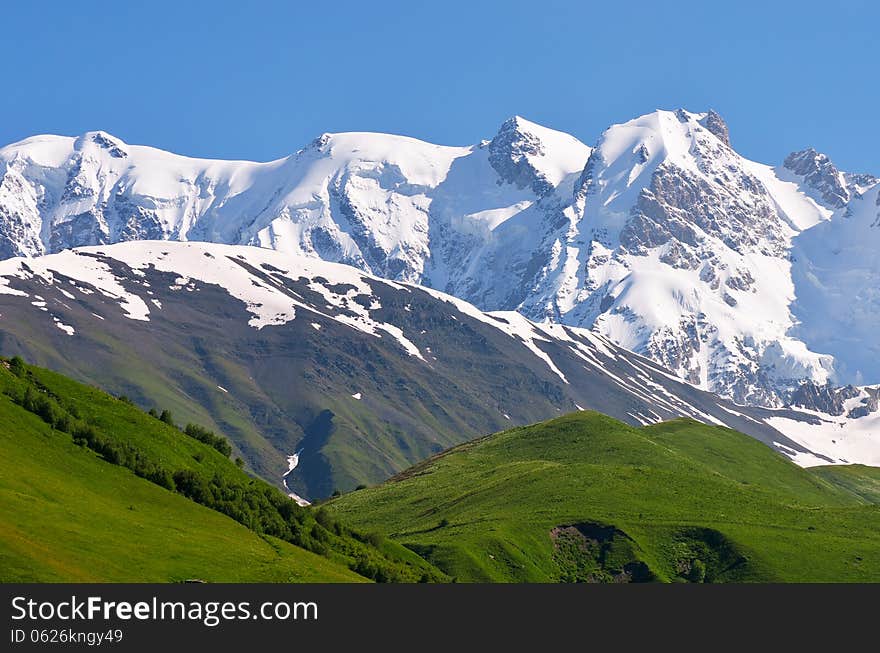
(258,80)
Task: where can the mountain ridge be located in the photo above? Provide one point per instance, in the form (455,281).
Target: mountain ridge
(532,220)
(360,375)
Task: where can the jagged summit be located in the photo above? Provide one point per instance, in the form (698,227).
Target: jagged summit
(524,153)
(715,124)
(821,175)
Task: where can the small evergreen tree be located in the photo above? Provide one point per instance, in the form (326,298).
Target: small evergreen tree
(166,417)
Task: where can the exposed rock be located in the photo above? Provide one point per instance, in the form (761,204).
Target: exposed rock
(824,398)
(820,174)
(715,124)
(508,155)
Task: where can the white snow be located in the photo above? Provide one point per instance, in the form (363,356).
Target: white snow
(292,462)
(356,395)
(69,330)
(844,440)
(81,267)
(225,266)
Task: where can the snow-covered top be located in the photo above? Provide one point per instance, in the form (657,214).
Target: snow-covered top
(420,162)
(562,154)
(663,133)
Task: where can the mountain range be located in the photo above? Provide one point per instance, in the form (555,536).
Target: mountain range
(360,375)
(754,282)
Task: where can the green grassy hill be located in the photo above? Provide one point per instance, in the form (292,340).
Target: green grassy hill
(587,498)
(94,489)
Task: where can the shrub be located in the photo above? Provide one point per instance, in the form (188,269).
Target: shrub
(322,516)
(193,486)
(202,434)
(375,539)
(697,574)
(166,417)
(17,366)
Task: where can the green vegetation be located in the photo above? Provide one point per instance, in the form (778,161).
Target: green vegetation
(94,489)
(185,483)
(861,481)
(204,435)
(587,498)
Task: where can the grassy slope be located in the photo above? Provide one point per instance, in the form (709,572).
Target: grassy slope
(66,515)
(484,510)
(863,482)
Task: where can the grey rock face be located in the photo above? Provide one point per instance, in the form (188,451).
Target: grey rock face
(859,179)
(508,156)
(824,398)
(17,236)
(820,174)
(677,201)
(715,124)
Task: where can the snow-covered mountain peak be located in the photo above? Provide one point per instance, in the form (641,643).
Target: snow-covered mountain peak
(102,142)
(528,155)
(686,255)
(666,177)
(630,152)
(418,162)
(46,150)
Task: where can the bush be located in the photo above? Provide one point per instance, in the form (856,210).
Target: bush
(322,516)
(697,574)
(202,434)
(17,366)
(193,486)
(167,418)
(375,539)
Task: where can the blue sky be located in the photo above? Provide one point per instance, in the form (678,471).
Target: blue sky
(258,80)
